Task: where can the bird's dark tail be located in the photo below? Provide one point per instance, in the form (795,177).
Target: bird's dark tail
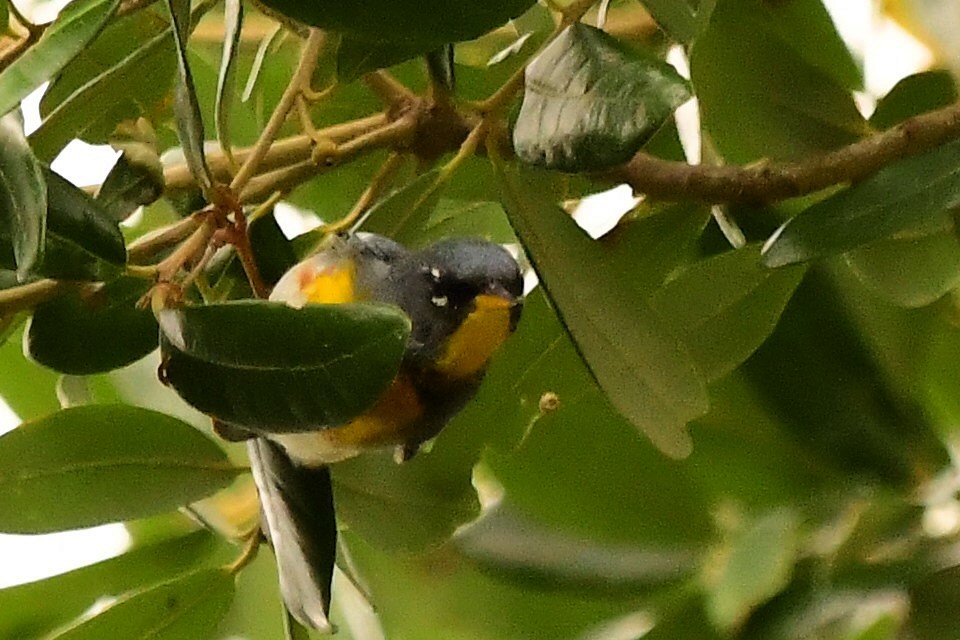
(296,504)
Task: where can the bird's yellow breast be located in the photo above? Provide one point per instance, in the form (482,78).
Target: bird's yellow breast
(476,340)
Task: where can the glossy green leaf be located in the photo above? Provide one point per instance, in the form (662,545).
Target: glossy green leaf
(186,107)
(126,72)
(186,608)
(419,23)
(23,196)
(100,331)
(135,180)
(75,26)
(912,196)
(723,308)
(755,566)
(233,24)
(794,108)
(103,463)
(644,371)
(677,17)
(510,544)
(75,216)
(270,367)
(590,103)
(914,95)
(35,608)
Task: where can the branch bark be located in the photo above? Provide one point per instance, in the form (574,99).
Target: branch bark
(772,181)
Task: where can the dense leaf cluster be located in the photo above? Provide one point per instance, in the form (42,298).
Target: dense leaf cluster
(712,422)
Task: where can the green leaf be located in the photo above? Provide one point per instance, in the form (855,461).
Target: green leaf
(75,26)
(548,457)
(23,196)
(510,544)
(676,17)
(432,493)
(911,272)
(25,386)
(186,608)
(82,241)
(272,368)
(35,608)
(822,374)
(233,24)
(83,334)
(794,109)
(644,371)
(808,28)
(931,599)
(75,216)
(476,218)
(272,251)
(590,103)
(136,180)
(913,195)
(103,463)
(126,72)
(424,24)
(724,307)
(914,95)
(357,57)
(404,214)
(755,566)
(186,107)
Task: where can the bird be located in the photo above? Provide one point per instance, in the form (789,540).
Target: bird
(464,297)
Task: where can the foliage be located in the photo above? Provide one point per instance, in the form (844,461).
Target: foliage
(683,439)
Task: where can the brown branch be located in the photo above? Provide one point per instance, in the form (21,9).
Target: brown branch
(396,135)
(28,296)
(772,181)
(393,93)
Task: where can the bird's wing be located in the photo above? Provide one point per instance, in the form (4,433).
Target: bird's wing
(298,518)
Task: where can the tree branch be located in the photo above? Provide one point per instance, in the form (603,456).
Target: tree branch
(772,181)
(300,79)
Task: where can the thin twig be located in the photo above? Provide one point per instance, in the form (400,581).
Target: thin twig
(27,296)
(189,251)
(772,181)
(152,243)
(374,190)
(300,79)
(283,152)
(393,93)
(396,134)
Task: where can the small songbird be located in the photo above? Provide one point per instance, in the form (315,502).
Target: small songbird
(464,298)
